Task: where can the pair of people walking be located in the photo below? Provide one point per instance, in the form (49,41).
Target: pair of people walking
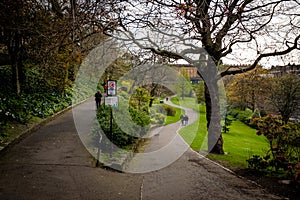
(184,119)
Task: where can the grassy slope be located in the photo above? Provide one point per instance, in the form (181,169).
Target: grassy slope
(239,144)
(187,102)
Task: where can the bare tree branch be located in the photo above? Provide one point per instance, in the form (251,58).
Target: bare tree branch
(261,56)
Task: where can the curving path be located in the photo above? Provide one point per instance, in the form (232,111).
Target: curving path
(52,163)
(164,148)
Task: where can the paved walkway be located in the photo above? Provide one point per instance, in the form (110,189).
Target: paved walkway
(165,147)
(52,163)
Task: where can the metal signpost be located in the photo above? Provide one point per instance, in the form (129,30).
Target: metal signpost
(111,100)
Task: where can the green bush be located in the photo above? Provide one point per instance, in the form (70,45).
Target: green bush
(263,113)
(130,132)
(44,105)
(14,109)
(283,155)
(242,115)
(256,114)
(157,118)
(21,109)
(245,116)
(39,97)
(140,117)
(234,113)
(254,122)
(227,123)
(157,114)
(118,137)
(175,100)
(170,111)
(257,162)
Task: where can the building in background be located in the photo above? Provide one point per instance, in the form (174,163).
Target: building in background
(190,70)
(278,71)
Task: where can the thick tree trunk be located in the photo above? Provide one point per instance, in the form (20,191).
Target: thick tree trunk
(209,73)
(213,116)
(17,72)
(16,78)
(152,93)
(15,53)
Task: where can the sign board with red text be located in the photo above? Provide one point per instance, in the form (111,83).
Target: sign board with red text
(111,88)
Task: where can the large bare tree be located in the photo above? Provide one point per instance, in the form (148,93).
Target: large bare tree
(204,33)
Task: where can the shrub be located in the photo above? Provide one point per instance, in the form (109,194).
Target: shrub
(14,109)
(125,133)
(256,114)
(175,100)
(242,115)
(227,123)
(118,136)
(263,113)
(140,117)
(157,118)
(234,113)
(170,111)
(254,122)
(3,114)
(157,114)
(257,162)
(283,155)
(245,116)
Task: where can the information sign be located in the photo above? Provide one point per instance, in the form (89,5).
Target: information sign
(112,101)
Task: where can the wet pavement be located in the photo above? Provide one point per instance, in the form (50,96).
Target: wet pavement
(52,163)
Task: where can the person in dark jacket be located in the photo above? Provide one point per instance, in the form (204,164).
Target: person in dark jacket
(98,97)
(182,120)
(186,119)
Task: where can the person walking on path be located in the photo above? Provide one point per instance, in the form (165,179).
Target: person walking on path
(182,120)
(98,97)
(186,119)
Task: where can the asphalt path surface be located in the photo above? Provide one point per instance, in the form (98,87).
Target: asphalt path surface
(52,163)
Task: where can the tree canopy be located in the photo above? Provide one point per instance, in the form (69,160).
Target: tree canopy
(285,95)
(205,33)
(51,37)
(249,90)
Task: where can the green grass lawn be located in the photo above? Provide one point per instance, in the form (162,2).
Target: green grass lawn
(240,143)
(187,102)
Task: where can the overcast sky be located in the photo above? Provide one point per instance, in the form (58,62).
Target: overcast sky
(273,37)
